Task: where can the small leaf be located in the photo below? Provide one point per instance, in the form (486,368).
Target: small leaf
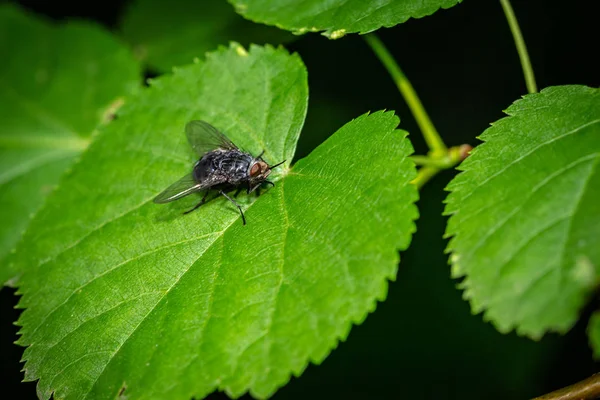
(171,33)
(56,83)
(337,17)
(526,216)
(122,292)
(593,332)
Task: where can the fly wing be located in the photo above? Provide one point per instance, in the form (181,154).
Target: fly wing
(204,137)
(179,189)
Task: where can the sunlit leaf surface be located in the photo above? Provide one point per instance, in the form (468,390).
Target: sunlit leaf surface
(125,294)
(170,33)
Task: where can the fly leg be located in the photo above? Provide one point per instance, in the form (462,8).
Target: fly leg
(253,188)
(258,187)
(199,204)
(236,204)
(237,192)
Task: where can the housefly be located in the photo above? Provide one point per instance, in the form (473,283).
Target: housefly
(222,167)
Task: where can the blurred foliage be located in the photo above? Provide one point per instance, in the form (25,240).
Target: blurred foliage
(47,119)
(165,34)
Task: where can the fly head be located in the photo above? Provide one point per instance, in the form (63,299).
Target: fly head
(259,171)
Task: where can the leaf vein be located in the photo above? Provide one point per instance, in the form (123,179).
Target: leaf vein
(25,167)
(111,269)
(525,155)
(518,208)
(166,292)
(515,253)
(570,221)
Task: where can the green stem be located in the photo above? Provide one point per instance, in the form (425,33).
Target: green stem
(424,175)
(432,138)
(430,166)
(426,161)
(520,43)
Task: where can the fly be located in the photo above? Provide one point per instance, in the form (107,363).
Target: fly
(222,167)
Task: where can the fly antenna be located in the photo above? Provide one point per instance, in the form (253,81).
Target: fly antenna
(276,165)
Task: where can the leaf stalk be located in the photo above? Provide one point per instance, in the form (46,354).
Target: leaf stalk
(521,47)
(451,158)
(439,156)
(430,134)
(432,165)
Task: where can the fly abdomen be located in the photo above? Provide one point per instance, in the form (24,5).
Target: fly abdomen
(204,168)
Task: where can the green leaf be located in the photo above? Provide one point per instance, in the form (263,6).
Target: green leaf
(337,17)
(167,34)
(56,83)
(593,332)
(526,216)
(124,293)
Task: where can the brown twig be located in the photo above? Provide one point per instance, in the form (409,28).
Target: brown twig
(586,389)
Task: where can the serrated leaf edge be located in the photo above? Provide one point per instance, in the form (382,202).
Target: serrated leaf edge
(454,259)
(330,32)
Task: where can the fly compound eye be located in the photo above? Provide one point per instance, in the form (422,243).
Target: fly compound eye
(264,167)
(255,170)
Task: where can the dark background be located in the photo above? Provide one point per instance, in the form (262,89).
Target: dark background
(422,342)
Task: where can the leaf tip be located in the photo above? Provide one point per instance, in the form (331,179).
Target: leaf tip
(336,34)
(455,267)
(239,49)
(240,8)
(303,30)
(584,272)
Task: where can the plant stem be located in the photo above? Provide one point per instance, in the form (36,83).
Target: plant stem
(426,161)
(432,165)
(587,389)
(520,43)
(424,175)
(432,138)
(439,157)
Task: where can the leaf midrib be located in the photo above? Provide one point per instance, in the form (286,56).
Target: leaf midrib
(218,235)
(575,211)
(569,217)
(480,210)
(525,155)
(535,189)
